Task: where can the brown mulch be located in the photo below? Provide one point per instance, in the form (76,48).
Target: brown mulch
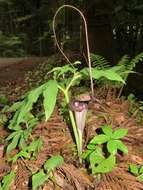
(57,140)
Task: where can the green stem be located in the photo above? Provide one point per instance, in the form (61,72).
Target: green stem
(73,125)
(80,144)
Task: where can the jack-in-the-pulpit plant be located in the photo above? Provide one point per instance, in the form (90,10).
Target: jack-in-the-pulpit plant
(64,78)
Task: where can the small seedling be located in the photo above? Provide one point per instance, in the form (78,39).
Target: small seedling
(137,171)
(30,151)
(47,171)
(95,155)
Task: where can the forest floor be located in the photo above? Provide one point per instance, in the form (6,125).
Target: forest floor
(57,139)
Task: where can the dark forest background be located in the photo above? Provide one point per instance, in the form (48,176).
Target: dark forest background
(115,27)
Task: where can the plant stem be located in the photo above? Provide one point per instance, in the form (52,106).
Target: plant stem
(76,135)
(80,144)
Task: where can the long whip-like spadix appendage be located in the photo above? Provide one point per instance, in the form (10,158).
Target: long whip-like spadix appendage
(86,38)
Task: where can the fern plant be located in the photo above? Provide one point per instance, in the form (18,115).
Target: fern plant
(127,64)
(124,67)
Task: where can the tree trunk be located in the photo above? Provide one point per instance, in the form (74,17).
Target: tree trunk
(98,16)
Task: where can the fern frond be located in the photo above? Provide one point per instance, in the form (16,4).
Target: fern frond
(138,58)
(99,61)
(124,60)
(128,65)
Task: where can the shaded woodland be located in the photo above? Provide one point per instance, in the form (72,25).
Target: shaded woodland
(71,116)
(115,27)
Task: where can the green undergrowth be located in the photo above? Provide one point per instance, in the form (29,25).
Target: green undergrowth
(38,104)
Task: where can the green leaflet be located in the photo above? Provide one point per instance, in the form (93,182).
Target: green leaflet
(107,130)
(4,185)
(50,95)
(120,133)
(53,162)
(137,171)
(105,166)
(112,147)
(38,179)
(141,170)
(99,139)
(121,147)
(140,178)
(14,143)
(134,169)
(95,158)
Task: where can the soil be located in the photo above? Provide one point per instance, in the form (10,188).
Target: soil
(57,139)
(11,69)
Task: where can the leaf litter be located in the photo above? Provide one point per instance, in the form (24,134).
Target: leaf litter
(57,140)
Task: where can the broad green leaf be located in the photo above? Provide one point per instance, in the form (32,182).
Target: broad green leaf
(121,147)
(95,158)
(50,95)
(113,76)
(99,139)
(106,165)
(38,179)
(134,169)
(13,143)
(107,130)
(53,162)
(120,133)
(7,180)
